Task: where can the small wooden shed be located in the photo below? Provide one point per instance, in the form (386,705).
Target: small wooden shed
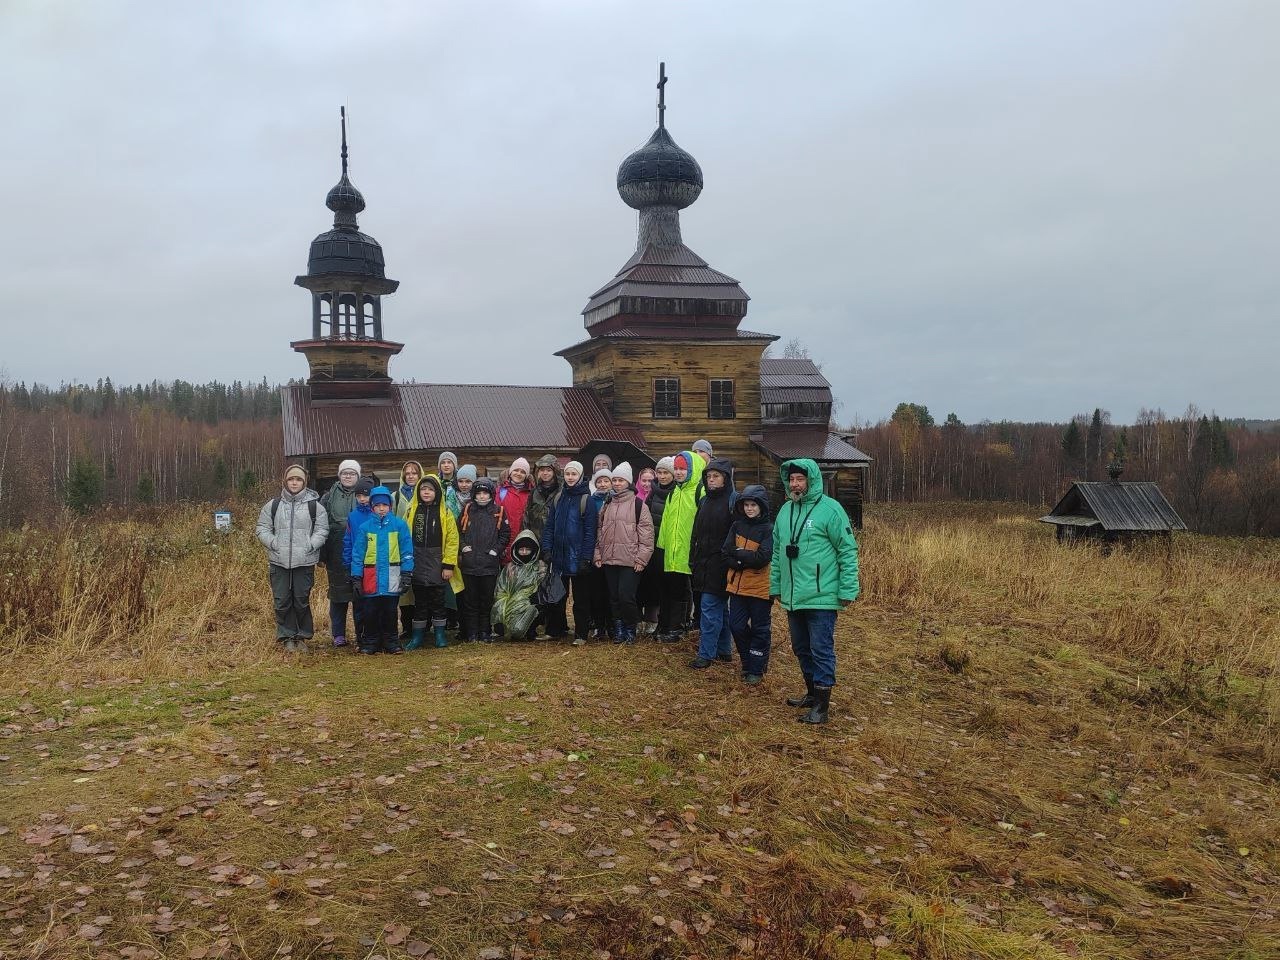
(1113,511)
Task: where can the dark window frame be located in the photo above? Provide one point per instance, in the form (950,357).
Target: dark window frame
(715,412)
(670,398)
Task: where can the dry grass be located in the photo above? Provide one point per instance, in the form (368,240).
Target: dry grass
(1036,752)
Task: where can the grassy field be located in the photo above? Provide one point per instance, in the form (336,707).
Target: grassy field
(1034,752)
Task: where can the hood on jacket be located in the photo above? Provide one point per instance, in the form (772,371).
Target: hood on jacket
(380,491)
(812,471)
(756,493)
(302,496)
(722,466)
(696,469)
(432,481)
(547,460)
(525,537)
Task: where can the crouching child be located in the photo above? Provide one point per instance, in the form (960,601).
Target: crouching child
(293,527)
(515,597)
(381,570)
(749,549)
(435,558)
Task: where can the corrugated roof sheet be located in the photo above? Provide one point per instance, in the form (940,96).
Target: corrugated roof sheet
(810,381)
(785,443)
(434,416)
(788,366)
(1120,506)
(794,395)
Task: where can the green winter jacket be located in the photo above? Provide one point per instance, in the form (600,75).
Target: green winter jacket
(825,571)
(677,518)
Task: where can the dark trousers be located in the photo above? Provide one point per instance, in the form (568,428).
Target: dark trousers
(477,605)
(649,592)
(406,618)
(291,595)
(752,633)
(338,618)
(673,605)
(590,602)
(360,617)
(554,618)
(428,605)
(380,626)
(813,640)
(622,583)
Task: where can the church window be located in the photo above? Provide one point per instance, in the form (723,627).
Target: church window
(666,398)
(720,400)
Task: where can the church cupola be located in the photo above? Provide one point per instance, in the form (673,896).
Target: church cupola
(346,274)
(665,286)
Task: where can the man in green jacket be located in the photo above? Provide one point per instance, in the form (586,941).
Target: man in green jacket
(814,574)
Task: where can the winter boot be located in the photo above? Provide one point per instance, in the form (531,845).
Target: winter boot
(441,639)
(821,706)
(807,700)
(629,634)
(417,637)
(619,634)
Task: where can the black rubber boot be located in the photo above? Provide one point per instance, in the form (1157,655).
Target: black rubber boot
(821,706)
(807,699)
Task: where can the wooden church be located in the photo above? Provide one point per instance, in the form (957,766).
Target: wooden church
(664,362)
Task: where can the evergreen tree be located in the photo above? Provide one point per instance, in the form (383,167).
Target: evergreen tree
(85,485)
(146,491)
(248,484)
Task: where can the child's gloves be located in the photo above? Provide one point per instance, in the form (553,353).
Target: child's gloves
(355,587)
(406,582)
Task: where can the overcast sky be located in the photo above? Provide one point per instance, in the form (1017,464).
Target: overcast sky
(1002,209)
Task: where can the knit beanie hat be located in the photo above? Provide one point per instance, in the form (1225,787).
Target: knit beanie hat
(447,455)
(793,468)
(296,470)
(622,471)
(520,463)
(573,466)
(681,460)
(365,485)
(608,460)
(702,446)
(346,465)
(667,463)
(607,474)
(466,472)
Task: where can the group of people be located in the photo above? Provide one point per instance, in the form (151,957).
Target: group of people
(607,556)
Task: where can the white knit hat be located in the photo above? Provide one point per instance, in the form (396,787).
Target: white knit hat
(622,471)
(346,465)
(520,463)
(573,465)
(667,463)
(607,474)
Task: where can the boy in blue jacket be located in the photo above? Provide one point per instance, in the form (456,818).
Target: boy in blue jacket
(381,569)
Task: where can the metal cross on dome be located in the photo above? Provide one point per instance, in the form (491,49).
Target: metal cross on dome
(662,94)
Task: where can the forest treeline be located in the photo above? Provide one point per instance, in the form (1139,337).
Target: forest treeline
(83,445)
(1221,476)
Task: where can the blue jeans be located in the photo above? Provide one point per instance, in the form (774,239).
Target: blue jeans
(716,638)
(749,621)
(813,640)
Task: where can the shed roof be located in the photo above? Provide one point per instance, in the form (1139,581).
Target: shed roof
(1118,506)
(788,442)
(788,380)
(435,416)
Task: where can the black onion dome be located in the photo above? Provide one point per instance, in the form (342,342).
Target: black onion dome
(344,197)
(346,251)
(659,174)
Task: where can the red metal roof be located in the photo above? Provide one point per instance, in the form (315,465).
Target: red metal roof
(787,442)
(440,416)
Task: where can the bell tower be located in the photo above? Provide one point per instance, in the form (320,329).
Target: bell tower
(347,353)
